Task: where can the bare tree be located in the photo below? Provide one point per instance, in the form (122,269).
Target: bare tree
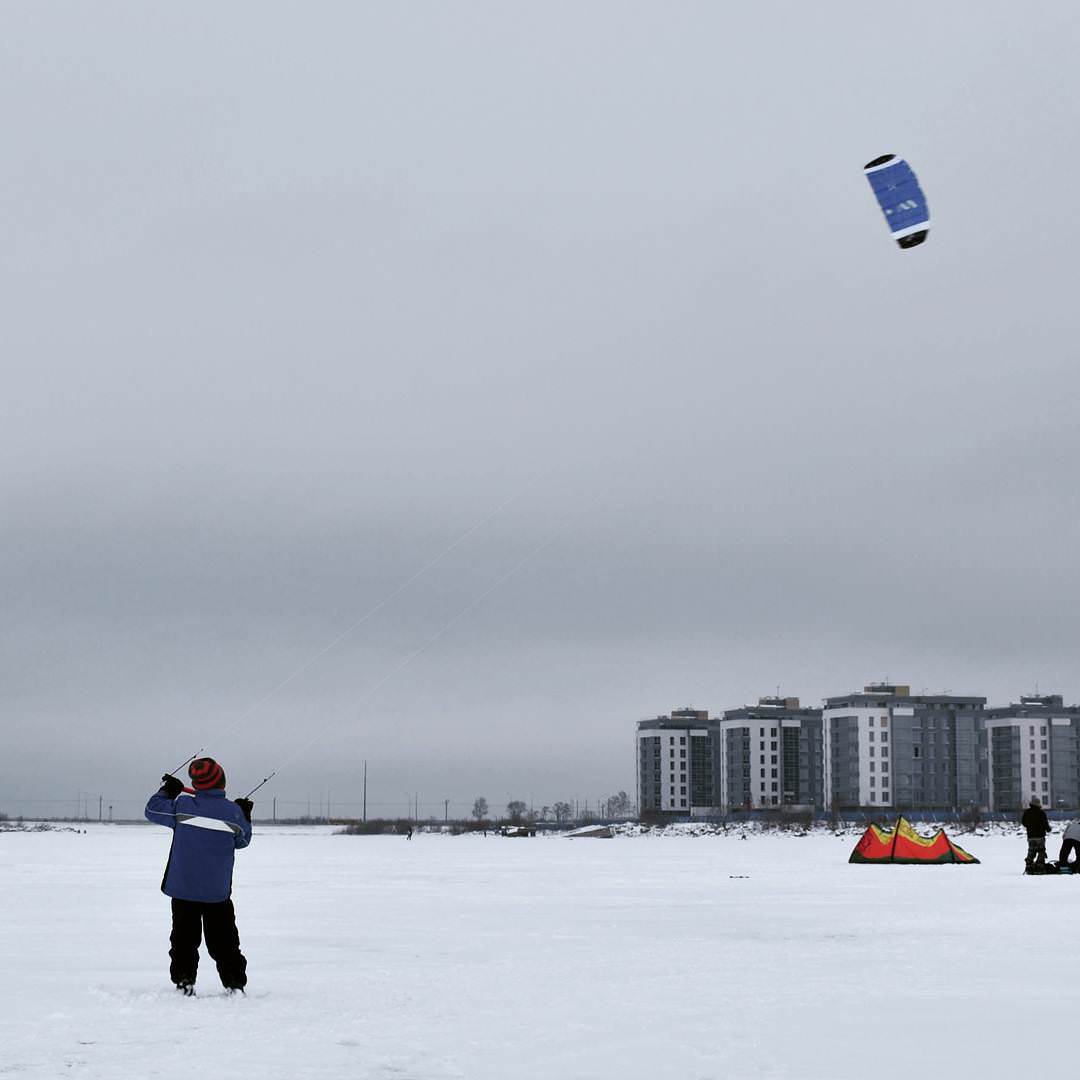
(480,808)
(545,813)
(562,811)
(516,809)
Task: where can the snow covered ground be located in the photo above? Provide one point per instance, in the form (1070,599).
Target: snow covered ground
(513,959)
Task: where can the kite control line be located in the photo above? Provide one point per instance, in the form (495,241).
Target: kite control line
(173,772)
(402,664)
(393,594)
(265,780)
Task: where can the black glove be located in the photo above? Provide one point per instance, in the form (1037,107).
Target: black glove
(171,786)
(246,805)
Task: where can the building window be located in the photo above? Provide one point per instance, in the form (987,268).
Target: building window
(915,752)
(873,797)
(884,736)
(682,753)
(1042,730)
(682,739)
(773,760)
(873,781)
(1044,759)
(683,802)
(871,751)
(772,733)
(682,791)
(871,736)
(776,787)
(762,774)
(884,766)
(884,796)
(774,774)
(772,746)
(1032,759)
(1032,772)
(762,747)
(872,766)
(884,721)
(1042,744)
(1044,772)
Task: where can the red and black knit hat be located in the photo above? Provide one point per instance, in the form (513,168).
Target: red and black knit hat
(205,774)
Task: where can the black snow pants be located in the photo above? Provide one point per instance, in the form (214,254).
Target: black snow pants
(189,919)
(1036,855)
(1068,846)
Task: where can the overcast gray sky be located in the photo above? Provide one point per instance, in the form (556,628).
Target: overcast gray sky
(294,295)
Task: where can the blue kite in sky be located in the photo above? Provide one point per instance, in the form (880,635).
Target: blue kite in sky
(902,201)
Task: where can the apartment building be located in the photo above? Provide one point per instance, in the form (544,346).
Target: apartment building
(771,755)
(880,748)
(676,756)
(885,747)
(1031,748)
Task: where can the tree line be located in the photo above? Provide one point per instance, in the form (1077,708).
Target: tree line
(518,813)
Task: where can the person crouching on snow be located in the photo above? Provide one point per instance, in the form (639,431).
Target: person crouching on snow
(1070,842)
(1034,821)
(207,830)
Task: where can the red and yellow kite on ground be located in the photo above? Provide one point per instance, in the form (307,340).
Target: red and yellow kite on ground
(902,844)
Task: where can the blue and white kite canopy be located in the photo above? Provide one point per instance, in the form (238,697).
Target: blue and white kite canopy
(901,199)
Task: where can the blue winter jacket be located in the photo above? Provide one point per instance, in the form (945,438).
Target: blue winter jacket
(207,829)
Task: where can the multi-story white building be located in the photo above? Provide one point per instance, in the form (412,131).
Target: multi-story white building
(885,747)
(1031,748)
(770,755)
(675,762)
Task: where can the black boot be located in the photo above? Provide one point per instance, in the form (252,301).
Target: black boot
(186,988)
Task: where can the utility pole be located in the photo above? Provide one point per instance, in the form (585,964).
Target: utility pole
(446,810)
(365,789)
(100,800)
(275,809)
(328,806)
(110,811)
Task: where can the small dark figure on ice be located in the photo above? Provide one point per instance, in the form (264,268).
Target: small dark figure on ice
(1037,826)
(207,830)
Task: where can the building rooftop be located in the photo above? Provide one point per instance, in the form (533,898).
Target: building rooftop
(1034,705)
(882,693)
(679,718)
(771,706)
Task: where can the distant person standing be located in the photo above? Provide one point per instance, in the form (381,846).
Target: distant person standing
(1070,842)
(207,830)
(1037,826)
